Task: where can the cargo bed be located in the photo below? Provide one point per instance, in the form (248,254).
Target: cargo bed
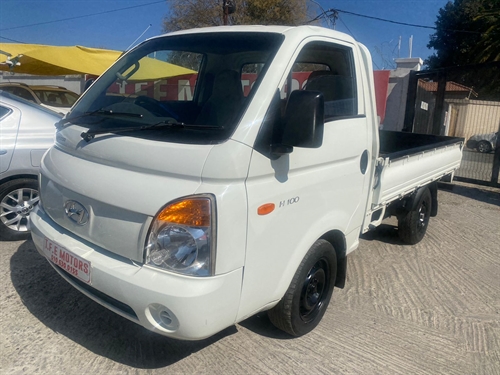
(408,161)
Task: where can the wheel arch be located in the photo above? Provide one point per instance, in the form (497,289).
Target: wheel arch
(410,202)
(18,177)
(333,236)
(337,239)
(415,198)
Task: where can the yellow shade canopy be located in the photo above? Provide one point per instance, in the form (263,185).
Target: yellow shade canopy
(40,59)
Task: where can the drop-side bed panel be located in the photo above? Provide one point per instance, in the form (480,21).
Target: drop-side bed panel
(408,161)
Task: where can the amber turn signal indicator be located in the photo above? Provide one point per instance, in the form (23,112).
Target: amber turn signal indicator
(266,209)
(192,212)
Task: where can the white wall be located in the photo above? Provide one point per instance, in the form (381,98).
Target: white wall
(398,91)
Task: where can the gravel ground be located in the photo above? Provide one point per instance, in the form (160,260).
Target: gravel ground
(432,308)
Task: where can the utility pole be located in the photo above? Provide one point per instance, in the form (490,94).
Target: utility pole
(226,12)
(228,7)
(334,16)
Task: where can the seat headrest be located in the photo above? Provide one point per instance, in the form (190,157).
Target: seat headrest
(227,83)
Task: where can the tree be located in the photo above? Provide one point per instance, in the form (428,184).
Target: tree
(186,14)
(489,45)
(468,32)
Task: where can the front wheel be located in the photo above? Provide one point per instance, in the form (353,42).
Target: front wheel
(17,200)
(413,225)
(307,297)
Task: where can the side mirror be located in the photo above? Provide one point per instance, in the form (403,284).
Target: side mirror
(303,122)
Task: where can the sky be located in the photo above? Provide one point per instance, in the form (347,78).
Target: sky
(76,22)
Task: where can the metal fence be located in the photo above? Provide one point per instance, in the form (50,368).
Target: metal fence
(460,102)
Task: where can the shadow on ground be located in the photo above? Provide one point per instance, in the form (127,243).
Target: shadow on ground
(385,233)
(261,325)
(65,310)
(491,195)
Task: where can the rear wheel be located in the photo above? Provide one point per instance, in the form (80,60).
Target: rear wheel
(17,200)
(307,297)
(413,225)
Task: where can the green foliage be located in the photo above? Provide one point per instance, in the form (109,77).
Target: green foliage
(274,12)
(468,32)
(489,46)
(189,14)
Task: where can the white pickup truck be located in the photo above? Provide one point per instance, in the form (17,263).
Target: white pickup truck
(189,213)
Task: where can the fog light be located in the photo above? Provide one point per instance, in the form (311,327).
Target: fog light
(162,317)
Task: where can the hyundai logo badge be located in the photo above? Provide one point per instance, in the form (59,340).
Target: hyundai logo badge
(76,212)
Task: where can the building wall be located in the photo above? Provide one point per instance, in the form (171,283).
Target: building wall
(475,117)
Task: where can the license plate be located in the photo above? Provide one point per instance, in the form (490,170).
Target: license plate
(67,260)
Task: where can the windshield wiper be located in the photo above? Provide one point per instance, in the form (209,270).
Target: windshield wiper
(90,134)
(106,112)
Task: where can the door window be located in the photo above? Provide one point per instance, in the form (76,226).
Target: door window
(4,112)
(329,69)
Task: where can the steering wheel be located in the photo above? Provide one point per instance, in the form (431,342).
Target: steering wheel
(155,107)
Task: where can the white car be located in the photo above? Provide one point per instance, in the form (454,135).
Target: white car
(483,142)
(26,132)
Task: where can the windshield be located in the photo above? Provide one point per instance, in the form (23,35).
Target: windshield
(27,102)
(56,98)
(201,79)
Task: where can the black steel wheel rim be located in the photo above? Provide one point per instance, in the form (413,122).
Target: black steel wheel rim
(314,291)
(423,216)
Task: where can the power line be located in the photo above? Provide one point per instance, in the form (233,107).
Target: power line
(350,32)
(386,20)
(82,16)
(399,23)
(12,40)
(318,17)
(332,11)
(323,12)
(343,23)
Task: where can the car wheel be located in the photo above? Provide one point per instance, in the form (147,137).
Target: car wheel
(484,146)
(305,302)
(413,225)
(17,200)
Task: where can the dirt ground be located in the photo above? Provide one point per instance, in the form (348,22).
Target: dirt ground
(432,308)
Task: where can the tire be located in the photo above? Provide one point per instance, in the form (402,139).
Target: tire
(413,225)
(484,147)
(17,200)
(305,302)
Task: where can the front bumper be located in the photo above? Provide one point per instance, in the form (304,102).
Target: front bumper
(182,307)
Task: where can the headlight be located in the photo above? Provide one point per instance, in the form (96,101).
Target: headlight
(182,237)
